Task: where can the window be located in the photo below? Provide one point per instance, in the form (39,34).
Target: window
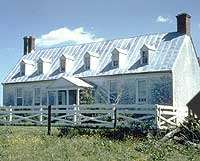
(62,65)
(44,97)
(37,96)
(87,63)
(27,97)
(22,69)
(115,63)
(40,67)
(62,98)
(144,57)
(142,91)
(113,92)
(19,96)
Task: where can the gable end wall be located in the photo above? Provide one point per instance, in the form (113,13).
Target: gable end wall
(186,75)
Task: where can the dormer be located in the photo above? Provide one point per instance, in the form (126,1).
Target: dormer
(66,63)
(43,65)
(91,60)
(119,57)
(26,67)
(146,53)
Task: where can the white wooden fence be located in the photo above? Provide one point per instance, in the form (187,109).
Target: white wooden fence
(95,115)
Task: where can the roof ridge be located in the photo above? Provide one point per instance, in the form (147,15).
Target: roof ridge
(101,41)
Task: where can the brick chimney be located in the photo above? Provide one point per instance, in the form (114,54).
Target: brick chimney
(29,44)
(183,23)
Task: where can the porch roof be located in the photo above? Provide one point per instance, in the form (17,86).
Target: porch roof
(78,82)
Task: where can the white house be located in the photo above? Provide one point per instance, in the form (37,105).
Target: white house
(149,69)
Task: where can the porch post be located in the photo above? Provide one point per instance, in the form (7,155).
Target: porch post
(67,97)
(77,97)
(77,106)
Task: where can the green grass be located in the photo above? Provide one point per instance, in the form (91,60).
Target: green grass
(32,143)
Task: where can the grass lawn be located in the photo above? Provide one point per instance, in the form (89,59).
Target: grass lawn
(32,143)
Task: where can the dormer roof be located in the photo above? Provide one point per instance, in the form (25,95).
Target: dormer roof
(46,60)
(27,61)
(94,54)
(150,47)
(70,57)
(119,50)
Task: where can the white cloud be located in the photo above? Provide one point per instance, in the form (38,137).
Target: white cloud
(163,19)
(66,35)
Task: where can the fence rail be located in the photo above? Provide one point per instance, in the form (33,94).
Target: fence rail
(95,115)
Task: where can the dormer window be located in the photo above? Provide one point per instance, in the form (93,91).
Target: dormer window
(26,67)
(66,63)
(91,60)
(115,63)
(22,69)
(62,65)
(147,53)
(43,65)
(40,67)
(144,57)
(87,63)
(119,57)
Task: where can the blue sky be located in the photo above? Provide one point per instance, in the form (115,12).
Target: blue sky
(59,22)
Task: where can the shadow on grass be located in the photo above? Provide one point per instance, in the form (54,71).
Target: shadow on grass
(112,134)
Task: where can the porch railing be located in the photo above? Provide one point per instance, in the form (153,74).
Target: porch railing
(95,115)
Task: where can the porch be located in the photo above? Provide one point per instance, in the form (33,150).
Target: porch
(66,91)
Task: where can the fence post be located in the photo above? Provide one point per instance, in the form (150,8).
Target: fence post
(10,114)
(157,117)
(75,114)
(78,115)
(41,109)
(114,116)
(49,120)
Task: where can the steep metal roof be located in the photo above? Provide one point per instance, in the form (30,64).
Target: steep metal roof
(167,48)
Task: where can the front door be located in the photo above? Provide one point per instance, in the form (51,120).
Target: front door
(72,97)
(52,97)
(62,97)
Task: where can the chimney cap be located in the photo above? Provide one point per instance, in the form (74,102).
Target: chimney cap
(28,37)
(183,14)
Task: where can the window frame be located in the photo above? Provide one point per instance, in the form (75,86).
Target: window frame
(34,102)
(62,65)
(113,93)
(22,69)
(144,57)
(143,99)
(87,62)
(40,67)
(18,97)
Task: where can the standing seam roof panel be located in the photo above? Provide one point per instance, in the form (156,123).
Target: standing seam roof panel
(167,48)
